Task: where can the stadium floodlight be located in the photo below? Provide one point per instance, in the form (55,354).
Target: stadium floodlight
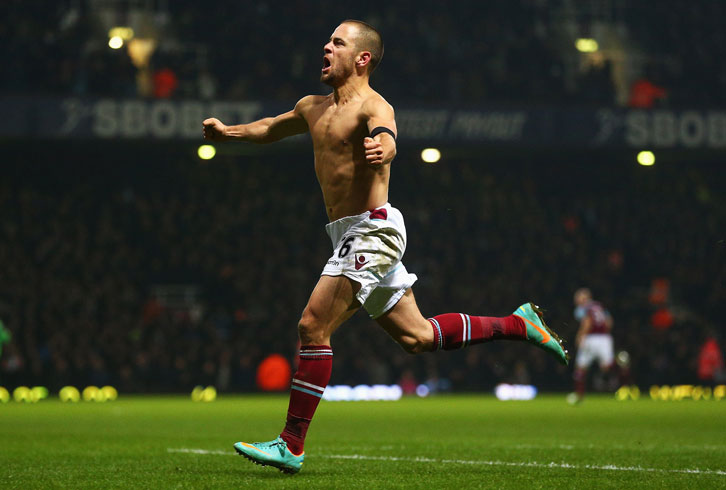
(125,33)
(115,42)
(430,155)
(646,158)
(586,45)
(206,152)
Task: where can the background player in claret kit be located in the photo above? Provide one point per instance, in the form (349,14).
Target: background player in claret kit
(594,340)
(354,141)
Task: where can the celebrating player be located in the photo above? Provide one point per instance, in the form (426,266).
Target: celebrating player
(354,133)
(594,341)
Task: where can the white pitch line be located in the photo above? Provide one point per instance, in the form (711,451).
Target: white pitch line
(528,464)
(199,451)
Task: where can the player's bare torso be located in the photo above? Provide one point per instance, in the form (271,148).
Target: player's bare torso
(350,185)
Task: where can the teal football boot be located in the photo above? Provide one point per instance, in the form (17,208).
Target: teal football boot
(273,453)
(539,334)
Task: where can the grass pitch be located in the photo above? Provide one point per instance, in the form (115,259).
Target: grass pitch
(439,442)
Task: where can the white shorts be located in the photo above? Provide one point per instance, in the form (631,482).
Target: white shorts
(595,347)
(368,249)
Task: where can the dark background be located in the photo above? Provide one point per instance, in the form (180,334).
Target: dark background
(134,263)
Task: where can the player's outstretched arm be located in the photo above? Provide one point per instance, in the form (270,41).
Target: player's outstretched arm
(267,130)
(381,120)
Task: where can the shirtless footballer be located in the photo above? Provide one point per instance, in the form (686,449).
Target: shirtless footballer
(354,141)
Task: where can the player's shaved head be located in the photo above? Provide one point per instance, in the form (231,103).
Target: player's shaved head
(368,39)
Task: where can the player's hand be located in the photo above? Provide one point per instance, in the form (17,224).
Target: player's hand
(374,151)
(214,130)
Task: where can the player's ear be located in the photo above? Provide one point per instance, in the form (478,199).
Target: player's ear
(363,58)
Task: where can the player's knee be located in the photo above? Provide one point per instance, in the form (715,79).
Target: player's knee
(310,329)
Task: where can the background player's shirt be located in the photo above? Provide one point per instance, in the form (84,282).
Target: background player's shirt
(598,317)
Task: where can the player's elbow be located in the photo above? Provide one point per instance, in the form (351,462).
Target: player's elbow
(391,154)
(264,138)
(388,157)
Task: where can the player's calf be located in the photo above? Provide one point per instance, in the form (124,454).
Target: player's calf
(415,344)
(459,330)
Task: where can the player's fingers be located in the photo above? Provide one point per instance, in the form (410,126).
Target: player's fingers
(374,152)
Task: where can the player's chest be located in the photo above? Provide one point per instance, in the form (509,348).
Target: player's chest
(337,126)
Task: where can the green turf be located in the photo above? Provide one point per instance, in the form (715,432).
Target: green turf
(442,442)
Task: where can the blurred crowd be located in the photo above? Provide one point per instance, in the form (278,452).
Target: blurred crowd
(87,248)
(519,51)
(682,37)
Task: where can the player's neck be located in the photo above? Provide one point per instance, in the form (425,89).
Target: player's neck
(352,89)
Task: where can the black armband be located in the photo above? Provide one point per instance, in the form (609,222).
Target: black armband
(382,129)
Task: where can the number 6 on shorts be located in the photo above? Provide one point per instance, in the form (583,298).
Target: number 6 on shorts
(345,247)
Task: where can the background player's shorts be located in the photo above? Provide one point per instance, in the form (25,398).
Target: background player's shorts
(368,249)
(595,347)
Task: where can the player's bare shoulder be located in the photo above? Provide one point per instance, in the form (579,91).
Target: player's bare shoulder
(375,105)
(377,112)
(309,103)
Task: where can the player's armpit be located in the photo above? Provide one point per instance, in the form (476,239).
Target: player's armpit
(293,122)
(290,123)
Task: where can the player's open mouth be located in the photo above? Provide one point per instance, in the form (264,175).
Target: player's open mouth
(326,65)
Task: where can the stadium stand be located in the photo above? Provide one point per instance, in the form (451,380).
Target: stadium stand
(92,251)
